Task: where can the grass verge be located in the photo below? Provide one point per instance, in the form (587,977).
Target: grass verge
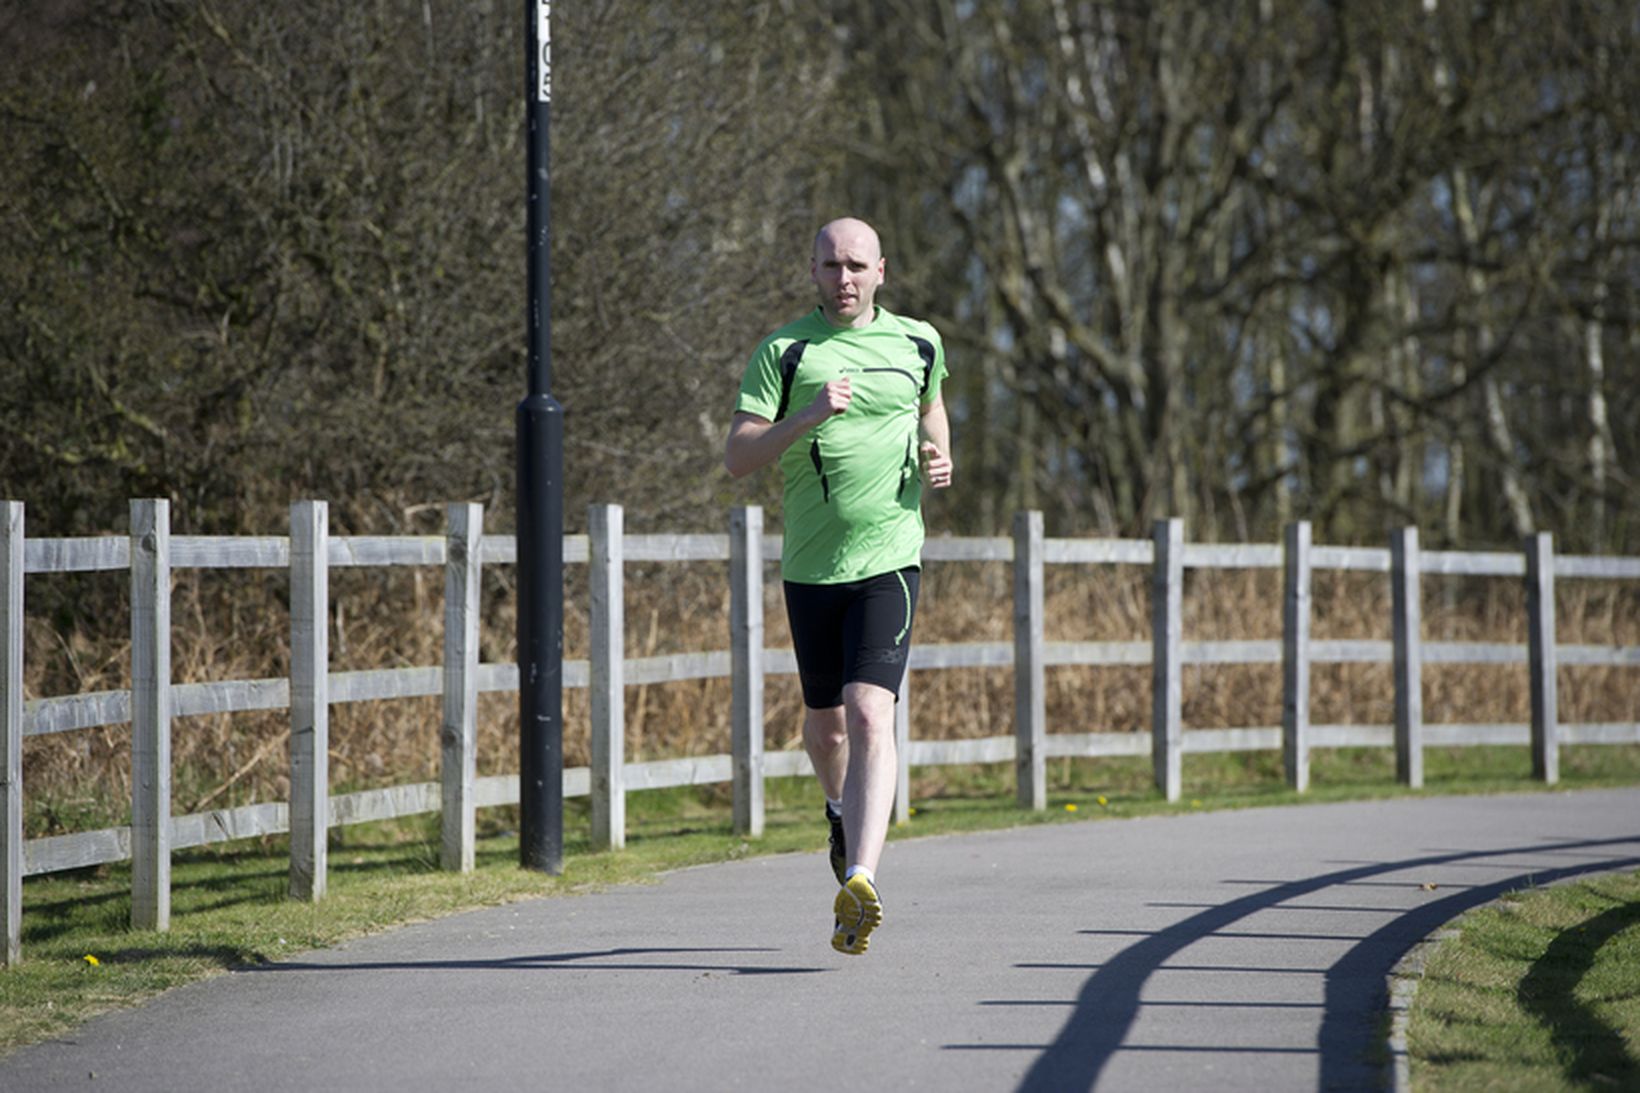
(1540,991)
(229,906)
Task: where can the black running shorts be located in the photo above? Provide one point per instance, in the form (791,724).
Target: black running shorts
(854,632)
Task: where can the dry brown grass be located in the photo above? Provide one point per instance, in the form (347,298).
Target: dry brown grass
(235,626)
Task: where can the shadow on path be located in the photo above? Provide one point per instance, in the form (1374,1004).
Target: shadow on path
(1355,993)
(596,959)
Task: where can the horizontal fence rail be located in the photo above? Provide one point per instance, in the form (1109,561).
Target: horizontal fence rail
(151,553)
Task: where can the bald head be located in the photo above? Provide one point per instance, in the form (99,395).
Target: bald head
(857,235)
(847,268)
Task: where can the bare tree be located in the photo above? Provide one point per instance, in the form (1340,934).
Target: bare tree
(1364,264)
(269,252)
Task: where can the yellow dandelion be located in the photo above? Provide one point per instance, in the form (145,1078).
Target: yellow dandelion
(1070,808)
(1101,800)
(93,961)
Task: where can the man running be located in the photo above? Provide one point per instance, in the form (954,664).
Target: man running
(847,400)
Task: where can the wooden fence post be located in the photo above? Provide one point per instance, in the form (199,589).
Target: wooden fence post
(746,661)
(458,735)
(309,698)
(151,715)
(1167,638)
(1030,678)
(11,731)
(1540,643)
(605,528)
(902,752)
(1295,658)
(1406,601)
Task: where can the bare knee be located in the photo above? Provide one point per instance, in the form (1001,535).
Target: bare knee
(869,711)
(827,729)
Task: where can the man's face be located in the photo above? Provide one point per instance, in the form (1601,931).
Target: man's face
(847,268)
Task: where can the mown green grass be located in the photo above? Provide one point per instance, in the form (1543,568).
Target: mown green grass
(229,905)
(1538,991)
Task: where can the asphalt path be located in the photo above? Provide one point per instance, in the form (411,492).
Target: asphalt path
(1213,951)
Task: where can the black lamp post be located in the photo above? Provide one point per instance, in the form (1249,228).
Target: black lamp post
(540,507)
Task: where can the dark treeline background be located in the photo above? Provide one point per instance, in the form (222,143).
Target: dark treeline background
(1369,263)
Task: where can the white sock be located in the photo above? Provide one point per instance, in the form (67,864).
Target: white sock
(862,870)
(836,806)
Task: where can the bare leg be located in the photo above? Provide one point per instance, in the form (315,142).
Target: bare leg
(871,766)
(825,737)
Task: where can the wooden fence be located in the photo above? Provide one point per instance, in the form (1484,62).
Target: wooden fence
(150,554)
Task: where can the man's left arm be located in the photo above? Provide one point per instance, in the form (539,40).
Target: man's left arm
(936,444)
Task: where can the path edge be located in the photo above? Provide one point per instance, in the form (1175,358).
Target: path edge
(1402,983)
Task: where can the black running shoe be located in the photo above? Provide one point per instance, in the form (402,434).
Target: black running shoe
(839,847)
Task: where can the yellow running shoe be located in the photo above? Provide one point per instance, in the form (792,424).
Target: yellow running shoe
(859,911)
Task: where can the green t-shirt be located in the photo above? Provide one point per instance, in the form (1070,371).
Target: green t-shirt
(853,492)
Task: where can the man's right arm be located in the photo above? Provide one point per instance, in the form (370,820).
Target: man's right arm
(756,441)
